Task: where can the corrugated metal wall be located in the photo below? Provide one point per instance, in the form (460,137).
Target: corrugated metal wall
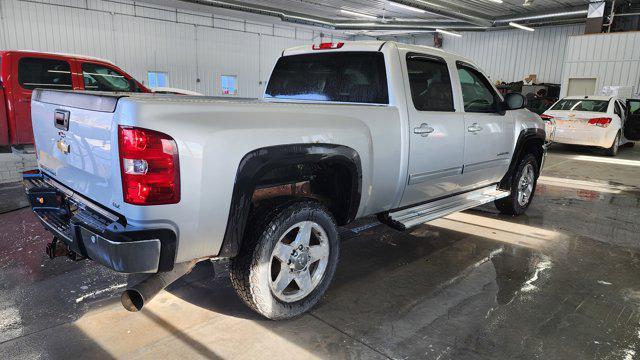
(140,38)
(510,55)
(612,59)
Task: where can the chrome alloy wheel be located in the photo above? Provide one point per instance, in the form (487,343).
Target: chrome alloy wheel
(298,261)
(525,185)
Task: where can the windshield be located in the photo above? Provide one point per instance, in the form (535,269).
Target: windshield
(582,105)
(357,77)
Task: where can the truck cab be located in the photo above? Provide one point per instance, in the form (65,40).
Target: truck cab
(23,71)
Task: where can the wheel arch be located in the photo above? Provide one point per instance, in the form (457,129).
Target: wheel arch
(256,164)
(529,140)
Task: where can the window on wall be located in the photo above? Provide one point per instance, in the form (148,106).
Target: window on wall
(229,84)
(157,79)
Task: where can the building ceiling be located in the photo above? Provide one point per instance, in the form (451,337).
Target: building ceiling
(404,15)
(383,9)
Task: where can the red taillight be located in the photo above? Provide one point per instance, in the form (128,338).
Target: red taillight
(602,122)
(149,166)
(327,46)
(546,117)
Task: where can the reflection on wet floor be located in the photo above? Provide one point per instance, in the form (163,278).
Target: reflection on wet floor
(560,282)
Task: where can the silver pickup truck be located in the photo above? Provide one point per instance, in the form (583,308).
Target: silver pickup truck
(147,183)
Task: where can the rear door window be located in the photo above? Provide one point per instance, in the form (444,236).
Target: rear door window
(618,110)
(101,78)
(354,77)
(44,73)
(430,83)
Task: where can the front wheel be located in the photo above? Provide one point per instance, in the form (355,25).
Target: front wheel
(522,187)
(287,260)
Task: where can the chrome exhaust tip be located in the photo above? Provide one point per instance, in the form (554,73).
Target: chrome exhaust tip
(137,296)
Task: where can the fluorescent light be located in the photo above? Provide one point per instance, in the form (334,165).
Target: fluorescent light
(545,16)
(409,19)
(406,7)
(448,32)
(496,1)
(516,25)
(357,14)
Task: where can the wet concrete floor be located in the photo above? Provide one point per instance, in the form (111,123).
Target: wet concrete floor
(560,282)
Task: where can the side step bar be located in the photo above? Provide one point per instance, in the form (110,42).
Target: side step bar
(410,217)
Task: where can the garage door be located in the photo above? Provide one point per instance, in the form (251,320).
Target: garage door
(578,87)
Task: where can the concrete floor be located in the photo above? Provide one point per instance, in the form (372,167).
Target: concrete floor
(560,282)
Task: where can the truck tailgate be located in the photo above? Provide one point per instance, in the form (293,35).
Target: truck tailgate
(76,142)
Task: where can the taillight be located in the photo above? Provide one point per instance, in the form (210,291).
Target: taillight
(149,166)
(327,46)
(601,122)
(546,117)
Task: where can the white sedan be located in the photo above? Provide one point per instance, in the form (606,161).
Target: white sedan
(588,120)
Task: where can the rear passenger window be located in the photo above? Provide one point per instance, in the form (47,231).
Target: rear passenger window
(430,83)
(617,109)
(355,77)
(44,73)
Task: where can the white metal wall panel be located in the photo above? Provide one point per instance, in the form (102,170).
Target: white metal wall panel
(224,52)
(151,45)
(510,55)
(141,38)
(612,59)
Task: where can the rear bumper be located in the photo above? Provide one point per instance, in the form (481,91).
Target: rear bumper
(591,136)
(97,234)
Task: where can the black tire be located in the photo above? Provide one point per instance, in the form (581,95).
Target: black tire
(251,269)
(510,204)
(613,150)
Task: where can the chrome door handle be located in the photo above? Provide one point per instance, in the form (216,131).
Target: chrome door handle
(424,130)
(474,128)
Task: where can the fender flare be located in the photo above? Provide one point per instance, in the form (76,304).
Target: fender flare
(523,138)
(255,164)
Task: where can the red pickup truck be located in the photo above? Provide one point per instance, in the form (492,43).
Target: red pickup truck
(23,71)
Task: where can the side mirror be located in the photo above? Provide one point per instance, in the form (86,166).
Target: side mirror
(514,101)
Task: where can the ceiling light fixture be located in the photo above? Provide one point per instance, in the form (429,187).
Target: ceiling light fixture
(522,27)
(357,14)
(545,16)
(496,1)
(406,7)
(448,33)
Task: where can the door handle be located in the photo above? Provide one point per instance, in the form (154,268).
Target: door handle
(24,100)
(474,128)
(424,130)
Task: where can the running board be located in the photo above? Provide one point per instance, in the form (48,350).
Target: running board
(410,217)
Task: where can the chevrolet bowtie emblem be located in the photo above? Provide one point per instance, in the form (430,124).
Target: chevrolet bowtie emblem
(63,146)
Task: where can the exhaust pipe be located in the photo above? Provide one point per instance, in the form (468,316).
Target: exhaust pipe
(136,297)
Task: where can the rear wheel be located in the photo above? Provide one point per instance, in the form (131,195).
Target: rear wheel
(613,150)
(288,259)
(522,187)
